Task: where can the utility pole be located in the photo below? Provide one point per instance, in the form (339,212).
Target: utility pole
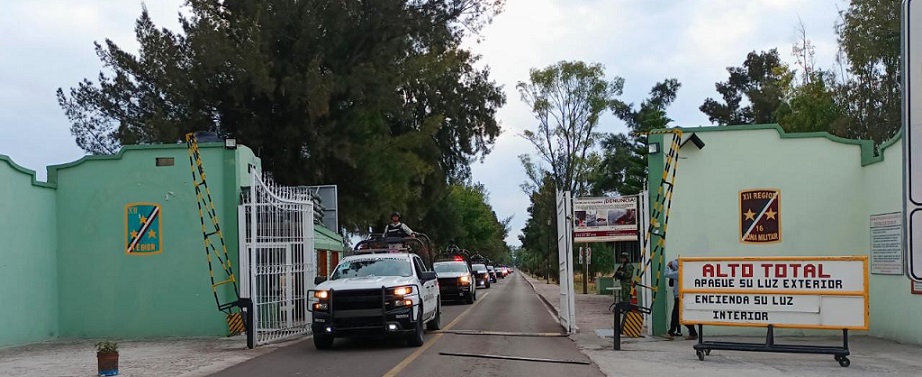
(547,264)
(586,256)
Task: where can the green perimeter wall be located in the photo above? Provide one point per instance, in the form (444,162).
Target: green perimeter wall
(104,292)
(65,269)
(29,292)
(829,189)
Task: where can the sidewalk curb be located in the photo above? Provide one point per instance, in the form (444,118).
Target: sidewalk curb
(544,300)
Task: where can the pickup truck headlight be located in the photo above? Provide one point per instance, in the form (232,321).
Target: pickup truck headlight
(464,280)
(403,303)
(321,295)
(320,306)
(403,291)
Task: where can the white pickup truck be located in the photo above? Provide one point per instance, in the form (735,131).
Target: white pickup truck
(374,293)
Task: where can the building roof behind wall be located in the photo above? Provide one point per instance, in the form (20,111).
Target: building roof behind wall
(326,239)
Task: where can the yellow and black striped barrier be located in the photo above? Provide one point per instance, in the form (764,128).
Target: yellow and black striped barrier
(235,324)
(632,324)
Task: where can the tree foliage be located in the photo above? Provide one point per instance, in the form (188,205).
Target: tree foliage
(623,166)
(809,101)
(751,94)
(539,241)
(567,99)
(464,217)
(378,97)
(811,106)
(869,44)
(861,100)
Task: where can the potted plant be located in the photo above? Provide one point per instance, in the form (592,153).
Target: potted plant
(107,358)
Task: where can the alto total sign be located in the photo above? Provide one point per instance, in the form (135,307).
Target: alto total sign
(795,292)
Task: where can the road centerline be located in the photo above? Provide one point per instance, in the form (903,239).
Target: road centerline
(413,356)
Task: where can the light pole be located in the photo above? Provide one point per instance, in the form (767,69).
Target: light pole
(547,267)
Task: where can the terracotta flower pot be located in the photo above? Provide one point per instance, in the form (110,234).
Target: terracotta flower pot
(108,363)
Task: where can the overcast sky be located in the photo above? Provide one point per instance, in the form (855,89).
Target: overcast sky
(47,44)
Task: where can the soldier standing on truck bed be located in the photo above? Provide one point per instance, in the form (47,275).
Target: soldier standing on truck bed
(397,228)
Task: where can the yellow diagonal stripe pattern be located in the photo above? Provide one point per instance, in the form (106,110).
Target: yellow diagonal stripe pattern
(632,324)
(235,324)
(633,321)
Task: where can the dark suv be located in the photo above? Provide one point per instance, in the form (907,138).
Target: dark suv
(492,272)
(481,275)
(456,282)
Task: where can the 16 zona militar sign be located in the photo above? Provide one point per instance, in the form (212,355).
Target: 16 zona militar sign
(760,216)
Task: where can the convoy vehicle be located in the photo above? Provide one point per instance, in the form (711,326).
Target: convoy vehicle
(492,271)
(456,276)
(456,282)
(481,275)
(384,288)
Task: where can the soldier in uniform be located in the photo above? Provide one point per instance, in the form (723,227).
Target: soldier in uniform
(624,274)
(397,228)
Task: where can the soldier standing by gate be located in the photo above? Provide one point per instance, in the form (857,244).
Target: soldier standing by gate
(624,274)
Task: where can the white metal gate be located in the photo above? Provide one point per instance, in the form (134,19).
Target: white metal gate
(277,259)
(567,312)
(643,207)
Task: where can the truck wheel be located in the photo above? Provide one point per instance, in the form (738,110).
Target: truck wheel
(323,341)
(416,338)
(436,322)
(471,297)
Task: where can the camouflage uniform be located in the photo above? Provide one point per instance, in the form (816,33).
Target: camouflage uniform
(624,274)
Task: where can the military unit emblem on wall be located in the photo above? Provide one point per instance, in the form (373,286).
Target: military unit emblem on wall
(760,216)
(142,229)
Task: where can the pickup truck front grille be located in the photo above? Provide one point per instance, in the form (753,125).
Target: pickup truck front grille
(357,299)
(448,282)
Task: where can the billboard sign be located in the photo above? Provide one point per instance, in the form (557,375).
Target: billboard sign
(795,292)
(605,219)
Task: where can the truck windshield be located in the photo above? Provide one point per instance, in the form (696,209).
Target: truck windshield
(480,268)
(372,267)
(447,267)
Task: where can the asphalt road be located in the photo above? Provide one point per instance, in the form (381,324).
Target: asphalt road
(510,307)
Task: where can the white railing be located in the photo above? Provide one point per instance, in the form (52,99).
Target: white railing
(277,259)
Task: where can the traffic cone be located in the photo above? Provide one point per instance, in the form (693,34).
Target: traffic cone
(634,298)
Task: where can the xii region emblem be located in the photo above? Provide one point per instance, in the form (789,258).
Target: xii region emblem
(142,229)
(760,216)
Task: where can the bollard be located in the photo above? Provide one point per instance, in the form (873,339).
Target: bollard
(616,313)
(246,305)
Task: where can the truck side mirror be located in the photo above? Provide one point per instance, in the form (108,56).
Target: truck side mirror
(428,275)
(319,279)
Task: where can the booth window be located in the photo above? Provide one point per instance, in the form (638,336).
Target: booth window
(165,161)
